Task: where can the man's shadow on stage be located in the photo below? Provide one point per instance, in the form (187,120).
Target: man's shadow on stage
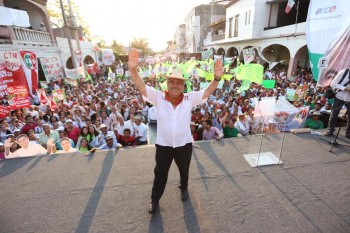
(190,219)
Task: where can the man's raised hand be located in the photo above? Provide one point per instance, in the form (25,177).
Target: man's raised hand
(218,69)
(8,143)
(133,59)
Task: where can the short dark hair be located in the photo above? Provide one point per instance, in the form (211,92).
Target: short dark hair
(209,122)
(127,130)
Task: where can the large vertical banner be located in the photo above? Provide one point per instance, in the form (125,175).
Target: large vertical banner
(52,68)
(11,71)
(328,38)
(30,68)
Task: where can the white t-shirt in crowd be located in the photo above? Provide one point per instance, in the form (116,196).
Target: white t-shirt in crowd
(141,130)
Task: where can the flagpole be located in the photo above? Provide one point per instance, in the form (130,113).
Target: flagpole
(296,19)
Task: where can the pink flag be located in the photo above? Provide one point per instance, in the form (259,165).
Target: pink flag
(289,6)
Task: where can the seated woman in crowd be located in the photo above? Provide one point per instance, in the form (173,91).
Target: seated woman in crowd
(84,145)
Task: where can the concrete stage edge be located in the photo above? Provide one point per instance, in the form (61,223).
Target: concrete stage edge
(110,191)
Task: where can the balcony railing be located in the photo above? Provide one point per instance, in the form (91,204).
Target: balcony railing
(28,36)
(218,37)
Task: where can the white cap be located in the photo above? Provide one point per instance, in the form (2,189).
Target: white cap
(103,126)
(60,128)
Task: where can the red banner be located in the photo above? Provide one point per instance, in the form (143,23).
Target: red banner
(18,97)
(92,68)
(30,68)
(4,111)
(11,71)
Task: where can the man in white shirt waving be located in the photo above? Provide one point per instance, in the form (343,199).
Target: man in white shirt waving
(174,140)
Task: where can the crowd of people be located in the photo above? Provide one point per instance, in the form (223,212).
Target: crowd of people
(108,113)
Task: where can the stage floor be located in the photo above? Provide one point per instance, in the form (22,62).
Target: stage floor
(110,191)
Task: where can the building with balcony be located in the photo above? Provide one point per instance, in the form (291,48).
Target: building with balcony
(190,35)
(264,26)
(25,25)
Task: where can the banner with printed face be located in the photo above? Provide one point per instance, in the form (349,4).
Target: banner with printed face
(4,111)
(76,73)
(18,97)
(52,68)
(59,95)
(11,71)
(108,57)
(300,92)
(30,68)
(92,68)
(328,38)
(248,55)
(43,84)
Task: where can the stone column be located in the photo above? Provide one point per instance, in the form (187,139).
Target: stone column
(293,62)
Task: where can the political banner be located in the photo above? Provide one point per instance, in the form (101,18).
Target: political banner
(11,71)
(248,55)
(18,97)
(120,71)
(71,82)
(30,68)
(108,57)
(52,103)
(4,111)
(330,21)
(92,68)
(59,95)
(52,68)
(78,57)
(42,96)
(76,73)
(300,92)
(206,54)
(43,84)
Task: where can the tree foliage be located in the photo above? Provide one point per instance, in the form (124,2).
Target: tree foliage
(118,48)
(55,13)
(142,44)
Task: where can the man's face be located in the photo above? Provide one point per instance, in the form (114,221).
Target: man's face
(104,130)
(23,142)
(110,141)
(137,122)
(65,145)
(46,129)
(29,120)
(175,86)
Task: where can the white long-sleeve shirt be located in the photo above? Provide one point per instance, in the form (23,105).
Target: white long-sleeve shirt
(342,95)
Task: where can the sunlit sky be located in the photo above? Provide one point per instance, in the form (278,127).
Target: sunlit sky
(155,20)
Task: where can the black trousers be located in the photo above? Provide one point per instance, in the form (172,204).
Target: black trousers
(337,106)
(164,157)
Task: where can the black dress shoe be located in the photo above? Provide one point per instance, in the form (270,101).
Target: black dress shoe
(184,195)
(153,207)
